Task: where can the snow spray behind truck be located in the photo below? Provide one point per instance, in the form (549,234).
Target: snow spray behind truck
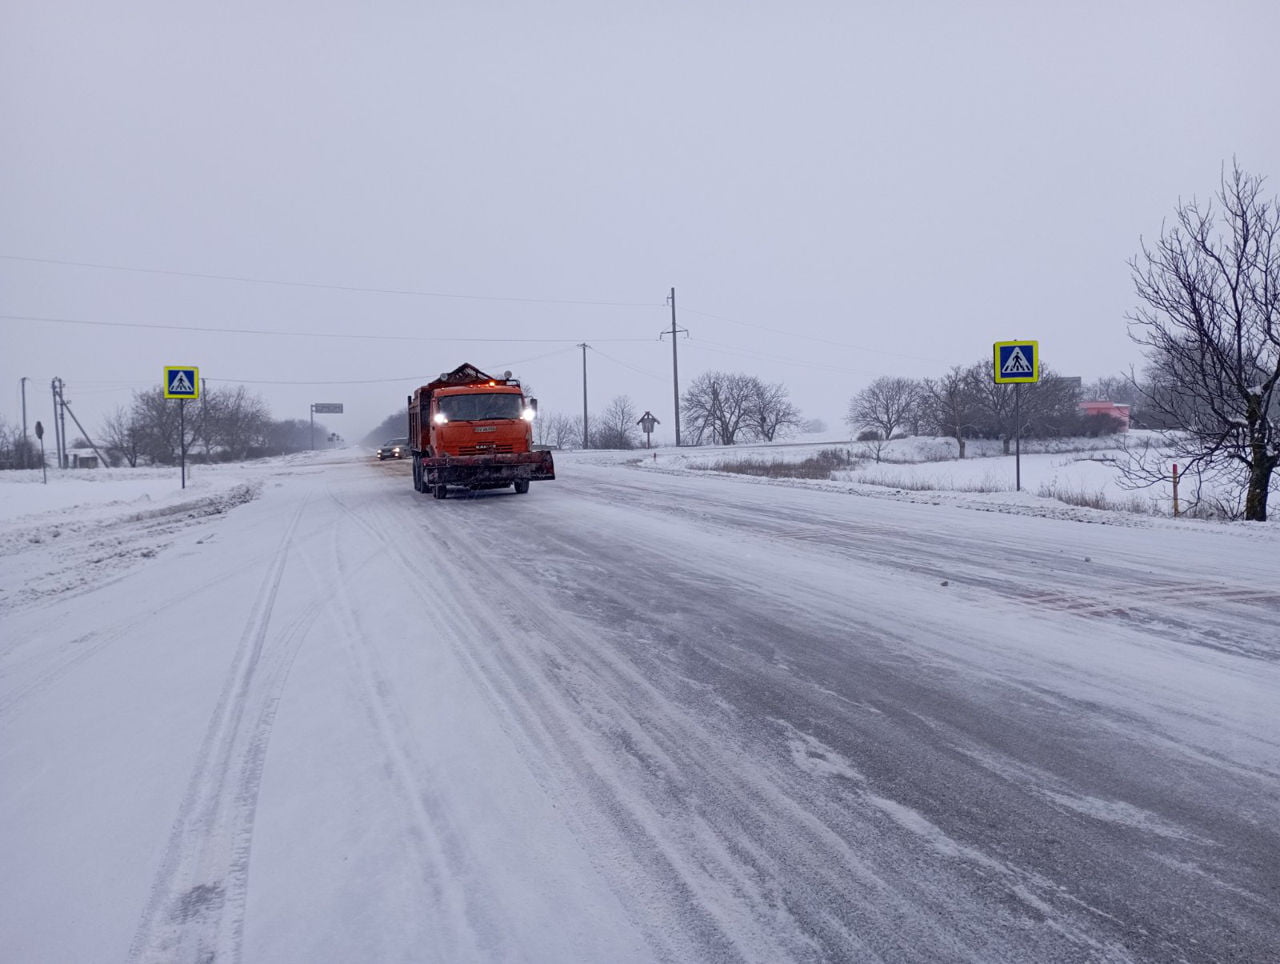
(472,430)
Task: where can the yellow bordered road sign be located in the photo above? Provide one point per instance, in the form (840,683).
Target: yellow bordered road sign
(181,381)
(1016,361)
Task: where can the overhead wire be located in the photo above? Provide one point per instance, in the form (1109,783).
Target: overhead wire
(747,353)
(300,334)
(813,338)
(616,361)
(246,279)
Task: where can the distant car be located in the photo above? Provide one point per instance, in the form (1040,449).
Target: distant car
(396,448)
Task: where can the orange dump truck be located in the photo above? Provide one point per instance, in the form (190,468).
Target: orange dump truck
(473,431)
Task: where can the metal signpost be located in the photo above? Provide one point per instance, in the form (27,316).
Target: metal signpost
(182,382)
(44,469)
(324,408)
(646,423)
(1016,363)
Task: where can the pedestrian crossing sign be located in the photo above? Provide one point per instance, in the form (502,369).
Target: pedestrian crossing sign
(181,381)
(1017,361)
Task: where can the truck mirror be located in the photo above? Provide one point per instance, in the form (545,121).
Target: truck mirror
(533,404)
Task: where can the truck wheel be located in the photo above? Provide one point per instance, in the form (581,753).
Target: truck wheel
(439,491)
(522,486)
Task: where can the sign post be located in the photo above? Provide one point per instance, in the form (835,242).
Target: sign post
(324,408)
(44,469)
(182,382)
(646,423)
(1016,363)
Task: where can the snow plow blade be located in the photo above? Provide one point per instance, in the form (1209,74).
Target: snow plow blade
(484,471)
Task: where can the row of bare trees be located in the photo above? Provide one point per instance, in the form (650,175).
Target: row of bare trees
(226,424)
(17,452)
(966,402)
(724,408)
(614,428)
(718,408)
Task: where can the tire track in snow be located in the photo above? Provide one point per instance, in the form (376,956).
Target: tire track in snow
(196,909)
(471,932)
(717,853)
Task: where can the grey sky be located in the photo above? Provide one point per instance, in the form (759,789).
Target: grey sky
(836,190)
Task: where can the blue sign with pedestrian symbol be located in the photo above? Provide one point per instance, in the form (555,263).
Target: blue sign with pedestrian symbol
(1017,361)
(181,381)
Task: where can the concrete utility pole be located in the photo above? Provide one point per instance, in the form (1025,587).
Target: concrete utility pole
(59,424)
(584,346)
(62,424)
(26,446)
(675,362)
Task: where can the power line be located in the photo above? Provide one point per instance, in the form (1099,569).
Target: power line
(419,379)
(746,353)
(814,338)
(244,279)
(616,361)
(525,361)
(298,334)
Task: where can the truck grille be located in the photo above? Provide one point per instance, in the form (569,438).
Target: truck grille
(484,449)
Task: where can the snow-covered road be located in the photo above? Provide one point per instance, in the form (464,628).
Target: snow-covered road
(639,716)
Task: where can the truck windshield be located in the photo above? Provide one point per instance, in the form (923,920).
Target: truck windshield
(473,408)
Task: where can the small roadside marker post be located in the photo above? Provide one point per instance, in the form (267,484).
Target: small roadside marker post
(1175,490)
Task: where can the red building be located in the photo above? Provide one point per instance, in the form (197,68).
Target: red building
(1119,412)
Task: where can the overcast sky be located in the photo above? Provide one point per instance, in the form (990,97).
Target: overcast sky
(836,190)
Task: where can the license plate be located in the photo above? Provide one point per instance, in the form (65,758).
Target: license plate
(486,428)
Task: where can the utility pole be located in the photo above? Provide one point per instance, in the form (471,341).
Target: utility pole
(66,407)
(26,446)
(62,423)
(584,346)
(675,362)
(59,424)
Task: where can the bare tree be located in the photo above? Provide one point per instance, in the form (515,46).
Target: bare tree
(616,427)
(1209,317)
(1121,389)
(772,415)
(557,429)
(716,407)
(886,405)
(1047,408)
(157,421)
(950,404)
(122,437)
(230,422)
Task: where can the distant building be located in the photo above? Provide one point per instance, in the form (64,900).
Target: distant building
(1119,412)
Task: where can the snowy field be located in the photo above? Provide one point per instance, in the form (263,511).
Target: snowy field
(647,712)
(1054,473)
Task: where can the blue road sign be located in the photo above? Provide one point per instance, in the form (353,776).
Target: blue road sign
(181,381)
(1016,361)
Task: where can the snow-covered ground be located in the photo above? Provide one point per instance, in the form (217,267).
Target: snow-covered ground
(1053,473)
(298,711)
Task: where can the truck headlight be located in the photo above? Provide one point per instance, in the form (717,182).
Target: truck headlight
(440,418)
(528,414)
